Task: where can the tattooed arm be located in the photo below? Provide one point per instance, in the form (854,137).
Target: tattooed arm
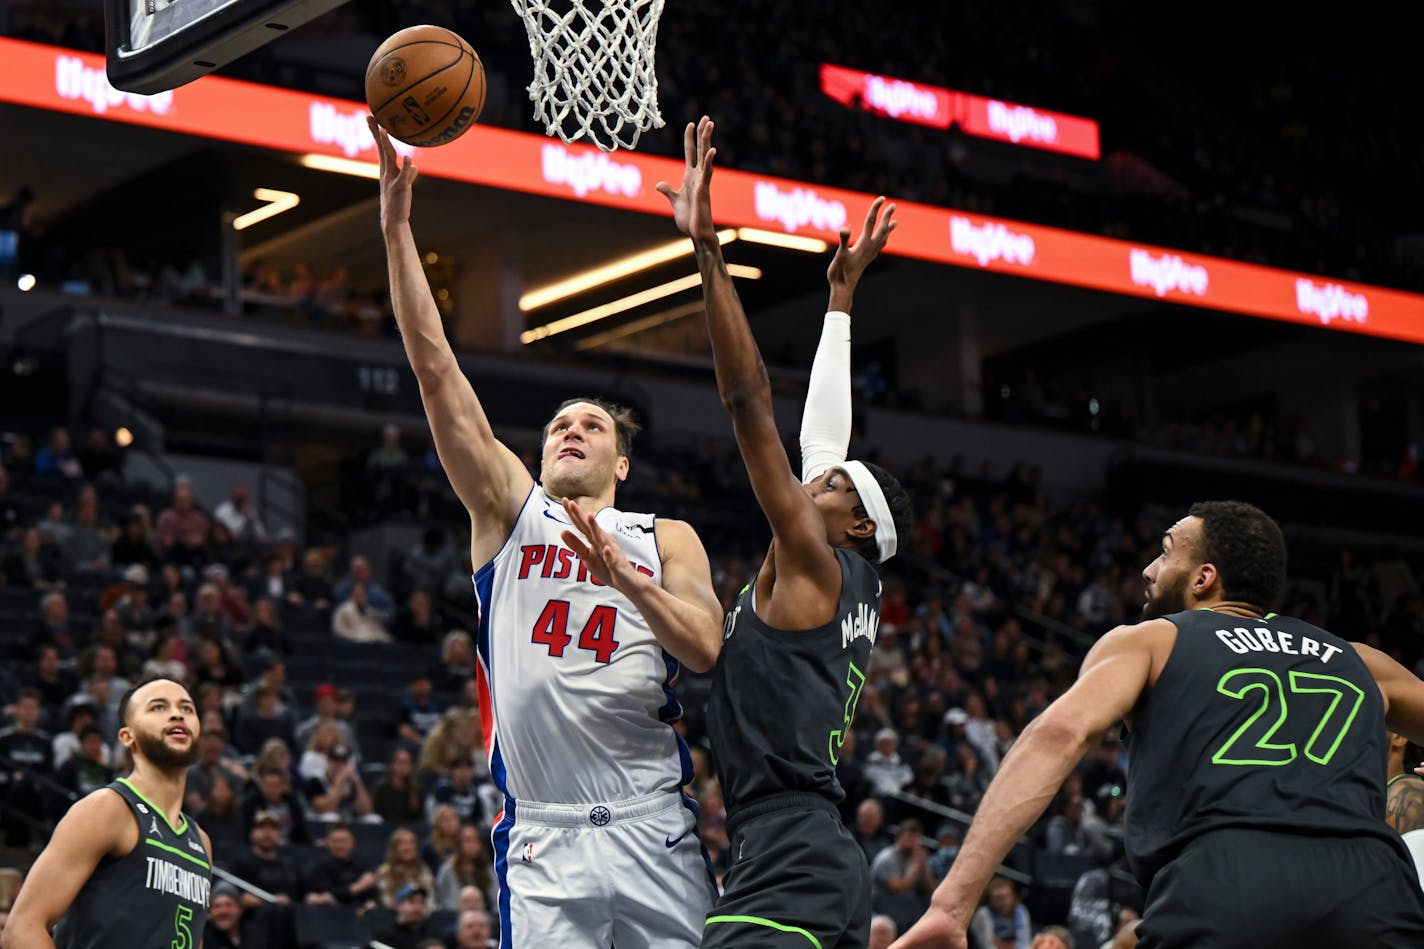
(1404,804)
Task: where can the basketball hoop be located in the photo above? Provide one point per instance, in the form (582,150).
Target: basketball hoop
(593,68)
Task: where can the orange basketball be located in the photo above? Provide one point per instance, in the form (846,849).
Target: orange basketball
(425,85)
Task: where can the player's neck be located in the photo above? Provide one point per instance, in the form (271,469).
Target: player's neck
(1233,607)
(163,790)
(591,504)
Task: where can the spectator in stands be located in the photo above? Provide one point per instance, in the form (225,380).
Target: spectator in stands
(389,454)
(274,756)
(215,666)
(882,932)
(1002,922)
(87,544)
(164,660)
(265,865)
(276,582)
(55,627)
(337,877)
(429,561)
(34,564)
(1065,834)
(967,780)
(315,754)
(267,637)
(221,817)
(469,865)
(412,925)
(899,876)
(57,458)
(82,714)
(99,458)
(87,769)
(312,588)
(419,712)
(29,748)
(10,516)
(112,635)
(54,526)
(884,769)
(232,926)
(403,866)
(444,835)
(1052,937)
(182,529)
(1104,900)
(457,662)
(454,739)
(324,698)
(20,458)
(53,680)
(396,797)
(929,781)
(265,720)
(338,793)
(376,596)
(209,620)
(232,599)
(473,930)
(274,799)
(356,621)
(416,621)
(240,518)
(135,613)
(212,765)
(134,545)
(943,857)
(869,829)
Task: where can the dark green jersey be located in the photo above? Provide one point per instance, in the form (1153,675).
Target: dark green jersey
(1268,723)
(154,897)
(782,702)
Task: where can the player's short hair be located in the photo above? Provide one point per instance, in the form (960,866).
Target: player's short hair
(1247,547)
(128,696)
(625,424)
(902,512)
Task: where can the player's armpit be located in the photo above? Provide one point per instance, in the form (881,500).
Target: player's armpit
(96,826)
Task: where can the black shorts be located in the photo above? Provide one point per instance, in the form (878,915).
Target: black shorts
(798,880)
(1257,889)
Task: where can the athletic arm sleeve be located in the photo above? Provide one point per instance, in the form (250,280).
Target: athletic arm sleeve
(825,422)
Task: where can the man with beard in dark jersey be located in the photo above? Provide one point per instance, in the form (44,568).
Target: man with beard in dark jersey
(797,643)
(126,868)
(1256,798)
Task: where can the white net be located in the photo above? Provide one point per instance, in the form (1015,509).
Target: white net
(593,68)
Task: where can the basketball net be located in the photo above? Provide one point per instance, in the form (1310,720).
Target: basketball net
(593,68)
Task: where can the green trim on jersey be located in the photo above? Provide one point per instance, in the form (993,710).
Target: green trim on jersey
(178,831)
(1404,774)
(758,921)
(174,850)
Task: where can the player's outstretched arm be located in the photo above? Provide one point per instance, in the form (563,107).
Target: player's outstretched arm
(743,384)
(487,476)
(683,613)
(826,420)
(1113,677)
(92,829)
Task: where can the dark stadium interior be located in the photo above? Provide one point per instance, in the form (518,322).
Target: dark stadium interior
(1047,433)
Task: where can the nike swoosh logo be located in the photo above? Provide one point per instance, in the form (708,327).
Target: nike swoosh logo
(671,843)
(558,520)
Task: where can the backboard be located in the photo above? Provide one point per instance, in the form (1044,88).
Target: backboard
(154,45)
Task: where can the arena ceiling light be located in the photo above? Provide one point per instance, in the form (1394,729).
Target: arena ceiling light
(277,202)
(342,166)
(629,302)
(755,235)
(599,340)
(613,270)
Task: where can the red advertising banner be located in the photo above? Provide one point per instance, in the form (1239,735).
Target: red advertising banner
(46,77)
(940,108)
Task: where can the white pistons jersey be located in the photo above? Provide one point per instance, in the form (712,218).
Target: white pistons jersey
(576,693)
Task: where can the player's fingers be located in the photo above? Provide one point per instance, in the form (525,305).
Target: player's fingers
(689,144)
(871,214)
(845,238)
(665,189)
(576,544)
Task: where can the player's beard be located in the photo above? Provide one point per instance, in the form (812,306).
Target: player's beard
(586,481)
(1166,598)
(155,751)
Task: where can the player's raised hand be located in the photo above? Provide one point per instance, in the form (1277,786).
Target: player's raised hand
(935,930)
(599,552)
(692,203)
(397,177)
(850,260)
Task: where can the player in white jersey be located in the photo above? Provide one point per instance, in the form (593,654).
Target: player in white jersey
(586,614)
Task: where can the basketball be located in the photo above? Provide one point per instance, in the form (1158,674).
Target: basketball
(425,85)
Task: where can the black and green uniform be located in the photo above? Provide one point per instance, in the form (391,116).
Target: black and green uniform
(1255,811)
(154,897)
(782,703)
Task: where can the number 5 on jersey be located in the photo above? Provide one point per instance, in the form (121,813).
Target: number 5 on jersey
(552,629)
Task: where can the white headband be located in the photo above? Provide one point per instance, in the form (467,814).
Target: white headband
(873,500)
